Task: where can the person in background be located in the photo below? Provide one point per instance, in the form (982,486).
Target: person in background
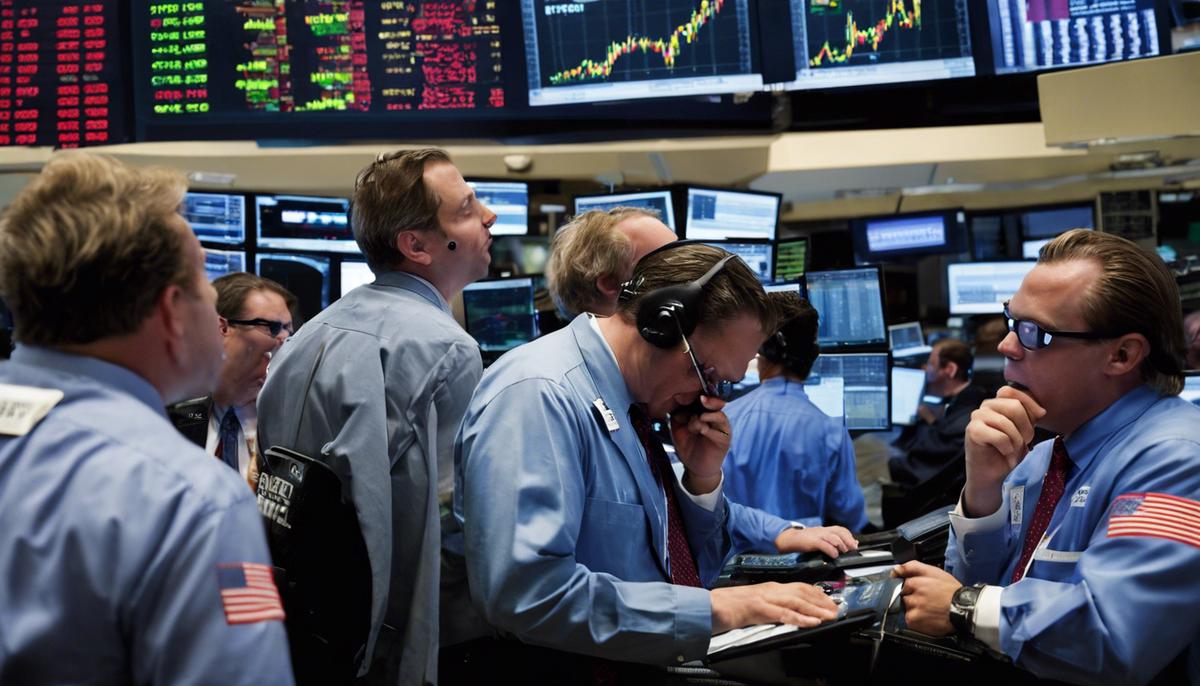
(375,387)
(255,316)
(1078,558)
(787,456)
(590,257)
(581,536)
(129,556)
(1191,334)
(936,439)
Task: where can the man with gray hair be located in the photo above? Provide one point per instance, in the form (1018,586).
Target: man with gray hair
(375,387)
(129,556)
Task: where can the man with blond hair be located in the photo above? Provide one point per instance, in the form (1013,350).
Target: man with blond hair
(128,555)
(1081,553)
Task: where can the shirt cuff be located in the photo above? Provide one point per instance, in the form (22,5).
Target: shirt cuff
(986,627)
(964,525)
(709,500)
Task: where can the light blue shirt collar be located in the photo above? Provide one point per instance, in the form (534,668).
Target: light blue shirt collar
(414,283)
(105,373)
(1086,441)
(601,364)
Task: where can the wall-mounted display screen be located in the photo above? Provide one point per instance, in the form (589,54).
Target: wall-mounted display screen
(221,262)
(864,42)
(216,217)
(61,74)
(983,287)
(659,201)
(722,215)
(880,239)
(295,222)
(1030,35)
(509,200)
(592,51)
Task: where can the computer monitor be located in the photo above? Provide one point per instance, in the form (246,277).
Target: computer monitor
(519,255)
(509,200)
(796,287)
(1051,221)
(907,340)
(295,222)
(839,44)
(850,304)
(908,387)
(306,276)
(218,263)
(657,200)
(353,274)
(723,215)
(1191,386)
(757,256)
(983,287)
(791,257)
(1031,35)
(500,314)
(862,380)
(596,51)
(216,217)
(879,239)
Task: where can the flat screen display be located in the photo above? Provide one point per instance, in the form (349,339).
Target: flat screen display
(354,274)
(659,201)
(886,238)
(216,217)
(509,200)
(579,52)
(294,222)
(218,263)
(843,43)
(861,380)
(791,257)
(908,387)
(850,305)
(1032,35)
(720,215)
(306,276)
(500,314)
(757,256)
(983,287)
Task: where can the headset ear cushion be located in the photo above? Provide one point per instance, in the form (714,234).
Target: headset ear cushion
(665,313)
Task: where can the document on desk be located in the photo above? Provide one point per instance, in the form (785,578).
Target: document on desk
(747,636)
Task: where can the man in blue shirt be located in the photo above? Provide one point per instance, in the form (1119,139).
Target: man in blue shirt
(787,456)
(581,536)
(1084,551)
(128,555)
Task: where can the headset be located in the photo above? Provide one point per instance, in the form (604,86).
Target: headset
(666,315)
(779,350)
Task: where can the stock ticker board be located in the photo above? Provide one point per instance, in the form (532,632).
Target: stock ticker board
(60,71)
(254,62)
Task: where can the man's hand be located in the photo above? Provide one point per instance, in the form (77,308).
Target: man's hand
(701,442)
(997,439)
(831,540)
(927,593)
(798,604)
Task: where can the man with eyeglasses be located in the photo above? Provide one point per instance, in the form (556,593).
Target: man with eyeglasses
(581,537)
(589,259)
(375,387)
(255,319)
(1080,555)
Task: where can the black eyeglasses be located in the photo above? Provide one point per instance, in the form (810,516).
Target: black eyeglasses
(1034,337)
(713,388)
(273,325)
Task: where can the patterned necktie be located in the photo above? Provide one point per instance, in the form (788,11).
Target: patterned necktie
(683,566)
(1052,490)
(227,439)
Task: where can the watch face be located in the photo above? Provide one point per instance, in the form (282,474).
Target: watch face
(966,596)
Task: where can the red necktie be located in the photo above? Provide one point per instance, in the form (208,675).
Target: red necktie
(1052,490)
(683,567)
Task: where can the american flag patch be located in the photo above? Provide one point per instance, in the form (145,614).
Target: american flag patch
(248,593)
(1156,515)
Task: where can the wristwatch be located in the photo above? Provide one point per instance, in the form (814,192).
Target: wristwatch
(962,609)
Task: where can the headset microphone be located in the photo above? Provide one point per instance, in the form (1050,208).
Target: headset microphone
(452,245)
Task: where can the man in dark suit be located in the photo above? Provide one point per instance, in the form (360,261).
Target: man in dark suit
(255,319)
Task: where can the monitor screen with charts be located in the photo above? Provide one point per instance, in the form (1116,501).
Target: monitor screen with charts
(907,340)
(850,304)
(216,217)
(294,222)
(221,262)
(354,274)
(908,386)
(723,215)
(757,256)
(509,200)
(658,201)
(853,386)
(500,314)
(983,287)
(791,257)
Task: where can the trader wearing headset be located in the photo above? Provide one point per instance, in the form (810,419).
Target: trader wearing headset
(580,535)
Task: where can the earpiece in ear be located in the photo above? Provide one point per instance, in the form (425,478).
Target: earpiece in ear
(452,246)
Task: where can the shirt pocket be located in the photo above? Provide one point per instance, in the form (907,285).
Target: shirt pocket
(615,539)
